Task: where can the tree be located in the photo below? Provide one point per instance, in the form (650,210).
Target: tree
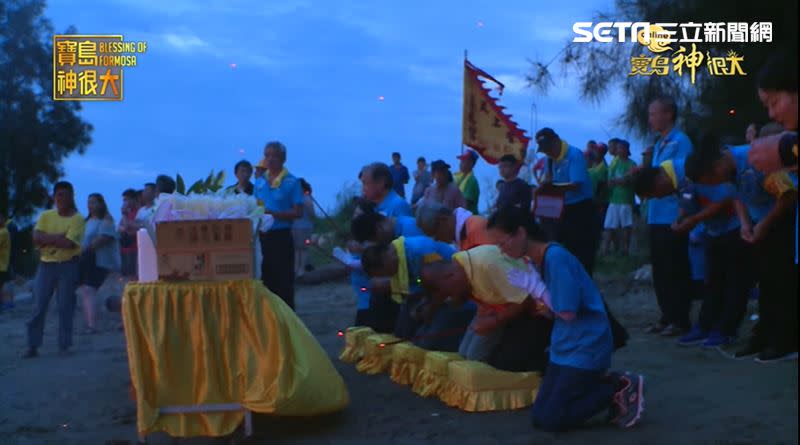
(603,67)
(36,132)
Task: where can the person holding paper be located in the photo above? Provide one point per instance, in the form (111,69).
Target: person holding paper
(567,177)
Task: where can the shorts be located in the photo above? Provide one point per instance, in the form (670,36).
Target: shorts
(619,216)
(300,236)
(90,274)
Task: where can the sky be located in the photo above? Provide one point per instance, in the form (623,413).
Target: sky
(223,77)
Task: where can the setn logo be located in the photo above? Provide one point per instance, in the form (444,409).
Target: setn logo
(602,31)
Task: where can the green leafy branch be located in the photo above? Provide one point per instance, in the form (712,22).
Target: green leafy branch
(210,185)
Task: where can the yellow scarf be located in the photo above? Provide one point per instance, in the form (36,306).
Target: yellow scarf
(275,183)
(399,281)
(563,152)
(461,180)
(669,169)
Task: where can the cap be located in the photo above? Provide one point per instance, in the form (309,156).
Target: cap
(439,165)
(469,154)
(544,136)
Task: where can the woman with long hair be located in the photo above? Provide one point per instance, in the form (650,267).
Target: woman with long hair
(58,235)
(577,384)
(100,255)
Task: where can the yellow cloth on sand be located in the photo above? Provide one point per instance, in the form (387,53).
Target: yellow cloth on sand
(51,223)
(407,361)
(354,343)
(5,249)
(222,342)
(486,268)
(476,387)
(432,378)
(399,281)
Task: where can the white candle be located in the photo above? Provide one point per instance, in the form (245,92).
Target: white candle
(148,261)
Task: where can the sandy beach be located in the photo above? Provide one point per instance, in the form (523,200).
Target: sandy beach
(693,396)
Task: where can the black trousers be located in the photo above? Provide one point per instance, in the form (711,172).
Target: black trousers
(669,256)
(277,267)
(777,276)
(579,232)
(729,279)
(523,346)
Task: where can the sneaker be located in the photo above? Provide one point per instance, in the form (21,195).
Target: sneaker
(773,355)
(30,353)
(694,337)
(656,328)
(629,401)
(672,331)
(749,350)
(717,340)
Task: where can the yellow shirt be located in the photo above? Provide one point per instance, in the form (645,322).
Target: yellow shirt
(486,268)
(50,222)
(5,249)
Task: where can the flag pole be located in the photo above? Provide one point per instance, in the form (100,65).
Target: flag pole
(462,107)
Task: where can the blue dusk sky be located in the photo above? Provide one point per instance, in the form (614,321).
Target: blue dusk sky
(310,74)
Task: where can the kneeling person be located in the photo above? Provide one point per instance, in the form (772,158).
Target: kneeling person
(480,274)
(395,270)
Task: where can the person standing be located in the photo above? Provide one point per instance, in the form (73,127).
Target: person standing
(301,230)
(400,175)
(58,235)
(147,203)
(282,196)
(567,176)
(598,172)
(514,192)
(243,171)
(619,216)
(5,257)
(422,179)
(669,250)
(377,187)
(443,190)
(466,182)
(127,233)
(99,256)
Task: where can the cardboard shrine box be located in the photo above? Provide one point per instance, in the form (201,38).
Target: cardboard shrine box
(205,250)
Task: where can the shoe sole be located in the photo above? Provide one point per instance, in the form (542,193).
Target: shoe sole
(785,358)
(687,344)
(639,405)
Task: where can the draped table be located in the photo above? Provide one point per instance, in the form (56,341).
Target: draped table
(203,355)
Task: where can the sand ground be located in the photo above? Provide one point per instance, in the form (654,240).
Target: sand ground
(693,396)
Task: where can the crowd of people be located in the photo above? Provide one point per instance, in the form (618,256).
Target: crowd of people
(507,287)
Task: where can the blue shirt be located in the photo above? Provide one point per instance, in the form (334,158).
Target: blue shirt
(280,199)
(571,167)
(406,226)
(399,178)
(393,205)
(585,342)
(417,248)
(724,221)
(750,185)
(697,252)
(676,145)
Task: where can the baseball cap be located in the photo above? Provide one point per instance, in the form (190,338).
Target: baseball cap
(469,154)
(544,136)
(439,165)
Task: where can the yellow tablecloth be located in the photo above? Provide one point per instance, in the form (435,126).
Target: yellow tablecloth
(194,343)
